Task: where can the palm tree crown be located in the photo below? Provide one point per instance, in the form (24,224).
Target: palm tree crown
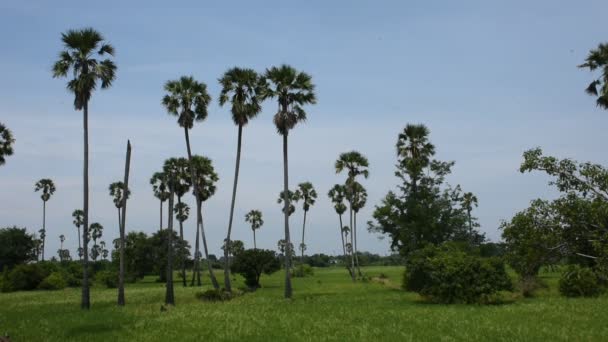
(159,186)
(78,217)
(337,194)
(80,49)
(306,192)
(293,90)
(182,211)
(292,200)
(243,88)
(254,218)
(116,190)
(469,200)
(6,143)
(413,144)
(354,162)
(598,59)
(48,188)
(187,99)
(206,177)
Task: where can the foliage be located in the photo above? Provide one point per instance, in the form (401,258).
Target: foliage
(251,263)
(579,281)
(303,270)
(292,200)
(116,192)
(598,59)
(6,143)
(243,88)
(254,218)
(213,295)
(54,281)
(140,256)
(107,278)
(16,247)
(24,277)
(187,99)
(448,275)
(423,209)
(159,245)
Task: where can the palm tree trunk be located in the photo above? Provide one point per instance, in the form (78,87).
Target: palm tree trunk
(255,246)
(216,285)
(352,247)
(161,216)
(343,245)
(196,271)
(79,245)
(303,229)
(43,227)
(355,238)
(236,179)
(181,237)
(169,295)
(85,301)
(288,289)
(125,192)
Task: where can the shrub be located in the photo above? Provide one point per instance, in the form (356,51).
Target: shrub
(303,270)
(579,282)
(251,263)
(445,275)
(54,281)
(24,277)
(213,295)
(529,285)
(107,278)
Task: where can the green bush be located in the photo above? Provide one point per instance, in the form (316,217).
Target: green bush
(213,295)
(251,263)
(303,270)
(446,275)
(107,278)
(24,277)
(579,281)
(55,281)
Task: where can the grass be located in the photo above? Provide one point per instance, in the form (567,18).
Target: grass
(326,306)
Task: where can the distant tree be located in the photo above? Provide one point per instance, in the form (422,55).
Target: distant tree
(78,216)
(243,89)
(48,189)
(468,202)
(104,251)
(337,194)
(96,233)
(171,170)
(6,143)
(292,89)
(159,244)
(598,59)
(357,196)
(80,47)
(254,218)
(182,211)
(235,247)
(251,263)
(116,192)
(292,200)
(159,186)
(16,247)
(307,194)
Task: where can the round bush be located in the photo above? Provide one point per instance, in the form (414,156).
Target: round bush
(107,278)
(54,281)
(24,277)
(579,282)
(303,270)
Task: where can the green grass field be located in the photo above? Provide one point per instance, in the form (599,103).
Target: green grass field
(326,306)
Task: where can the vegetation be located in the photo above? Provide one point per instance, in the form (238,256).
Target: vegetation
(254,218)
(579,281)
(16,247)
(6,143)
(251,263)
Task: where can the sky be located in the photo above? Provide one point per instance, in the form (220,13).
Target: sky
(489,78)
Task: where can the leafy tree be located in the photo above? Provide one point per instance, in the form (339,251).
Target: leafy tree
(235,247)
(78,216)
(243,89)
(251,263)
(206,177)
(292,89)
(159,242)
(48,189)
(16,247)
(337,194)
(254,218)
(598,59)
(424,210)
(78,57)
(307,194)
(96,233)
(6,143)
(188,100)
(159,186)
(142,255)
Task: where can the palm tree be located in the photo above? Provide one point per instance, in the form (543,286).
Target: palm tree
(159,186)
(78,216)
(205,185)
(254,218)
(598,59)
(358,198)
(292,89)
(305,192)
(356,165)
(79,57)
(104,251)
(337,195)
(292,200)
(188,100)
(182,211)
(243,89)
(415,151)
(48,189)
(171,170)
(61,239)
(6,143)
(96,233)
(469,200)
(116,191)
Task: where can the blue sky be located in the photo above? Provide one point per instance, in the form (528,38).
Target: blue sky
(489,78)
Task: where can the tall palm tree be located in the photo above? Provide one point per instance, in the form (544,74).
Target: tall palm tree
(254,218)
(337,195)
(116,192)
(356,165)
(48,189)
(171,170)
(598,59)
(104,251)
(6,143)
(78,217)
(188,100)
(96,233)
(205,185)
(358,198)
(159,186)
(243,89)
(292,89)
(182,211)
(307,194)
(469,200)
(80,50)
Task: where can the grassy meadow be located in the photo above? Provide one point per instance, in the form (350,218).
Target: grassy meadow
(326,306)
